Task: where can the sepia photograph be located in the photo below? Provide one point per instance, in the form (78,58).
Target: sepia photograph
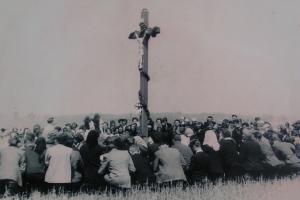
(149,99)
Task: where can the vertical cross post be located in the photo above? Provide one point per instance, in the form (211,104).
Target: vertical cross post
(143,36)
(143,79)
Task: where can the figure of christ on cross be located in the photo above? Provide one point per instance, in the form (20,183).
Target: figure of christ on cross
(143,36)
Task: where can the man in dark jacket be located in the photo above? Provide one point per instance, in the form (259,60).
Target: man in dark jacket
(229,155)
(143,174)
(251,155)
(199,166)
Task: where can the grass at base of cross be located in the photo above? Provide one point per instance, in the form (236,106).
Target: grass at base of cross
(287,188)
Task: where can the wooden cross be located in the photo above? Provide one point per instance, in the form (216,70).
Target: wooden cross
(143,36)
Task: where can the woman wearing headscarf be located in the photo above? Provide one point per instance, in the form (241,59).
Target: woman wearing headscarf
(90,153)
(210,139)
(211,146)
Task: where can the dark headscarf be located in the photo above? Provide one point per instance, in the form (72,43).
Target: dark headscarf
(96,121)
(86,122)
(92,138)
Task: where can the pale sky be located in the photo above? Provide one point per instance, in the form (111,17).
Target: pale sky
(74,56)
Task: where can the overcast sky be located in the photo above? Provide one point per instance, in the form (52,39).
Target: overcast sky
(74,56)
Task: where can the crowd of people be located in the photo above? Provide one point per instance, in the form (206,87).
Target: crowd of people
(98,155)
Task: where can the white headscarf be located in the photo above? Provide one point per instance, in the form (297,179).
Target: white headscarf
(211,140)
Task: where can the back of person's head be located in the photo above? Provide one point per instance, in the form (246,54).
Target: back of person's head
(156,137)
(114,142)
(69,140)
(61,138)
(40,145)
(166,138)
(92,138)
(226,133)
(118,143)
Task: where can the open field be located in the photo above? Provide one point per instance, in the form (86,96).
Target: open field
(249,190)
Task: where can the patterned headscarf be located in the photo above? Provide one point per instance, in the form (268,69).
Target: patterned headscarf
(134,149)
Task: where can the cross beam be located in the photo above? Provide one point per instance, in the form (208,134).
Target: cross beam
(143,36)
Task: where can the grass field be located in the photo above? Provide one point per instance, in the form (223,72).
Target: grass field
(284,189)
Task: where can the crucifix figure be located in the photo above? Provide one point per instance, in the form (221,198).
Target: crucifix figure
(142,36)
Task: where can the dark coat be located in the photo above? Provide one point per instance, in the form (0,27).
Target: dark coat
(215,163)
(199,135)
(91,160)
(237,135)
(228,154)
(199,166)
(34,162)
(251,156)
(143,173)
